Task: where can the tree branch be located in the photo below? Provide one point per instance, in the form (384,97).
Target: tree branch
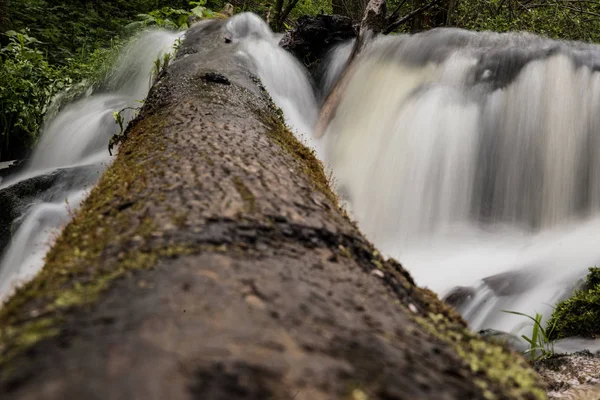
(393,26)
(286,11)
(396,12)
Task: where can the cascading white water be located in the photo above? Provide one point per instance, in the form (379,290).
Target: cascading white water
(466,155)
(76,139)
(80,132)
(283,76)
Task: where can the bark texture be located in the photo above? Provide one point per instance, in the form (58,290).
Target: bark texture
(212,262)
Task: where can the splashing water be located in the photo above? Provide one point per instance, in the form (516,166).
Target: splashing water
(467,155)
(283,76)
(76,140)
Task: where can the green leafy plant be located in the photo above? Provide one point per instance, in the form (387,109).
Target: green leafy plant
(66,47)
(540,344)
(119,118)
(160,65)
(166,17)
(561,19)
(27,83)
(200,9)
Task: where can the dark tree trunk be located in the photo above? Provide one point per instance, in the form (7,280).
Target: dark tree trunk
(353,9)
(4,19)
(313,37)
(212,262)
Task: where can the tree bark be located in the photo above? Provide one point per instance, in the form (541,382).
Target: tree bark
(212,262)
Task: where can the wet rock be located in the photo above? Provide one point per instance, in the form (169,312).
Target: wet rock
(10,167)
(312,37)
(508,339)
(571,376)
(459,296)
(16,199)
(510,283)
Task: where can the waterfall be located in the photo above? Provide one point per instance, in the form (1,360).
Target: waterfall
(473,158)
(75,141)
(284,77)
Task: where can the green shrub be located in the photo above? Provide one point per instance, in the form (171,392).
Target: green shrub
(27,83)
(560,19)
(53,45)
(580,314)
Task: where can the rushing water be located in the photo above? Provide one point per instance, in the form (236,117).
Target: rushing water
(75,141)
(470,157)
(467,155)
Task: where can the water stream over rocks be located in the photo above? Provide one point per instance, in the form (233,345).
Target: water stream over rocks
(472,158)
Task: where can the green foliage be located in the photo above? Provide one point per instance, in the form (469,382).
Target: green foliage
(72,29)
(540,340)
(200,10)
(311,7)
(165,17)
(561,19)
(160,65)
(119,136)
(580,314)
(67,46)
(27,83)
(171,18)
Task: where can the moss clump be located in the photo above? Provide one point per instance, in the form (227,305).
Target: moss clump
(500,371)
(580,314)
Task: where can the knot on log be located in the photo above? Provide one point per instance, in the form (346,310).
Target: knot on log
(216,78)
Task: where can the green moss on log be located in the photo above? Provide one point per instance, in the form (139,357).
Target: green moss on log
(579,315)
(245,194)
(310,164)
(76,271)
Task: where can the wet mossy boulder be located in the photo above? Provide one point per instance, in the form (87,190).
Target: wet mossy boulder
(15,199)
(579,315)
(49,187)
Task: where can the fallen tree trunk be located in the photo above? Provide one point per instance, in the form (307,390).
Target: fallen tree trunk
(213,262)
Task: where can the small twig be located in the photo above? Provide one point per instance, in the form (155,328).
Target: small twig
(287,11)
(393,26)
(396,12)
